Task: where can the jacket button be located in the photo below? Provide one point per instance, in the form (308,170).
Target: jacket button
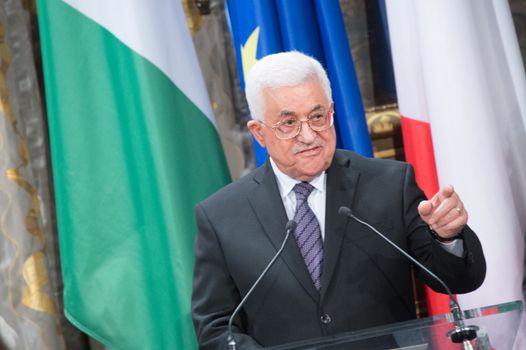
(325,319)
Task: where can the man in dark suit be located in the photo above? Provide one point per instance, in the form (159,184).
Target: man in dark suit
(334,275)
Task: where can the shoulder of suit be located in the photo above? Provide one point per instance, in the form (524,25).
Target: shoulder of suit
(345,158)
(236,188)
(354,160)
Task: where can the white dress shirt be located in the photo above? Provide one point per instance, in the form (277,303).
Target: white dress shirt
(316,199)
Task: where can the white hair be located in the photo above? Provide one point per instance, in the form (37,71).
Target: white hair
(278,70)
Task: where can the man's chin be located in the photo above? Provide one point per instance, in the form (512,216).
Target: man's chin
(307,174)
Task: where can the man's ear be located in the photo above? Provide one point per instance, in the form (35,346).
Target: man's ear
(255,128)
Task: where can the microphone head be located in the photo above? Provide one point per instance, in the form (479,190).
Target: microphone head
(345,211)
(291,225)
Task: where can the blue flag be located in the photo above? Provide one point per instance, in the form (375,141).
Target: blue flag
(255,31)
(350,115)
(316,28)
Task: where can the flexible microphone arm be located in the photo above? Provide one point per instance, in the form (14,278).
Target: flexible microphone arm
(461,333)
(231,341)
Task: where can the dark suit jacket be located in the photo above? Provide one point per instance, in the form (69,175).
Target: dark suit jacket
(365,282)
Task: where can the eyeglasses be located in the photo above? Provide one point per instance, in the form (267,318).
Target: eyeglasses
(290,126)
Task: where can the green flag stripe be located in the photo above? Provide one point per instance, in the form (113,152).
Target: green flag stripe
(131,156)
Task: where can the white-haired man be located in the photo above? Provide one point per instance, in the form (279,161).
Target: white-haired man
(334,275)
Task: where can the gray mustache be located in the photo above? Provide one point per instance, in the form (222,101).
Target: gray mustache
(300,146)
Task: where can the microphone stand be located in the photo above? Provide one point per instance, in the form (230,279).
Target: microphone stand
(231,341)
(462,333)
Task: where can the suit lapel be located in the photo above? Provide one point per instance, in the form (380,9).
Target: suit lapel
(267,205)
(341,185)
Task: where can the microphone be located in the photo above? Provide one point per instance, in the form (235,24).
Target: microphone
(231,341)
(462,333)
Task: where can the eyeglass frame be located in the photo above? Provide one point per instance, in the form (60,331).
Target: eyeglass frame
(330,115)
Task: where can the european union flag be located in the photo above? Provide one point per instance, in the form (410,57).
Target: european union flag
(314,27)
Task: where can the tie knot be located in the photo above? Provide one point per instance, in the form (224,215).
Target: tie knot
(303,189)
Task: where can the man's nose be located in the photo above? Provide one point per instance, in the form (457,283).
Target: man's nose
(306,134)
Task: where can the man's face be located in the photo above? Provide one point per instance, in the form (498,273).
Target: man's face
(307,155)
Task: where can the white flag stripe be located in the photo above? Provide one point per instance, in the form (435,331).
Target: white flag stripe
(176,58)
(405,50)
(513,56)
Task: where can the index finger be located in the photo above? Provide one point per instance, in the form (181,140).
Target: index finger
(445,192)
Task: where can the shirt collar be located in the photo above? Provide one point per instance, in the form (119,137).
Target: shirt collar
(287,183)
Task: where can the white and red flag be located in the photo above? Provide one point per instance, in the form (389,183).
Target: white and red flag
(462,95)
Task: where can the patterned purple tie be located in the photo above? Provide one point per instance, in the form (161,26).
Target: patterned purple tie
(308,233)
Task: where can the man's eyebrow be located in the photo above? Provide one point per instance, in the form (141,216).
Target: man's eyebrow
(287,113)
(316,108)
